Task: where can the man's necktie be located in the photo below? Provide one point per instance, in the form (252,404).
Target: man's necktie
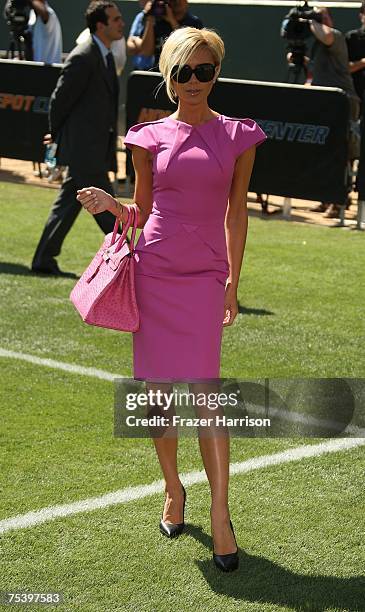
(113,80)
(112,73)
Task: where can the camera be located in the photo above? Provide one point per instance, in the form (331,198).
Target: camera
(16,13)
(158,8)
(296,29)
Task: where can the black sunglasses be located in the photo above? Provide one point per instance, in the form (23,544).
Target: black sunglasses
(203,72)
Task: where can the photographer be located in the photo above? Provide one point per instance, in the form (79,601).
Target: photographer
(355,40)
(329,57)
(140,61)
(153,25)
(328,61)
(328,67)
(46,32)
(35,31)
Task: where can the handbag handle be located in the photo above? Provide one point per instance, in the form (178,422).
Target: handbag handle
(135,221)
(132,219)
(125,228)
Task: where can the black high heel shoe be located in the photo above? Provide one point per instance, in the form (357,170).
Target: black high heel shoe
(229,562)
(172,530)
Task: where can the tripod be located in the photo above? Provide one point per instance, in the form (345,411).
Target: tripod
(20,45)
(297,73)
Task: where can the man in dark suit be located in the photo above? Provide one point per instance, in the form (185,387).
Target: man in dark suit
(83,121)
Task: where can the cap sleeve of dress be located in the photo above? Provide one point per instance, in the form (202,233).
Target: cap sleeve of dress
(141,135)
(246,134)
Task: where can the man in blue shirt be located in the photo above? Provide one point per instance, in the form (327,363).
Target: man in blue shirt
(140,61)
(148,32)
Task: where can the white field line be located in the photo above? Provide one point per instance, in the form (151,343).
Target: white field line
(306,419)
(109,376)
(60,365)
(123,496)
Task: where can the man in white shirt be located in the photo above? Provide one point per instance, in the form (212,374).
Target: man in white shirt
(46,32)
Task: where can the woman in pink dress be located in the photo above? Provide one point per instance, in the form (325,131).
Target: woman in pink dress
(192,174)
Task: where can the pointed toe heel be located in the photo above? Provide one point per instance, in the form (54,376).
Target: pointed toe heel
(229,562)
(173,530)
(226,563)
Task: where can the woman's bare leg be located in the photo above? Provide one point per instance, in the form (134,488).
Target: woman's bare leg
(214,448)
(166,449)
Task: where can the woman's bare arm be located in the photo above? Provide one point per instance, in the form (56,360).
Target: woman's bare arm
(142,162)
(96,200)
(236,224)
(144,44)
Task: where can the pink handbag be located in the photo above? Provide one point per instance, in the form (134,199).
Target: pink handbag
(105,293)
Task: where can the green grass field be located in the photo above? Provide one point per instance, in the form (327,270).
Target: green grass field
(300,526)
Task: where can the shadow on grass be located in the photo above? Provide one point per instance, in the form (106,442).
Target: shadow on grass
(7,267)
(11,176)
(259,580)
(275,213)
(21,270)
(260,312)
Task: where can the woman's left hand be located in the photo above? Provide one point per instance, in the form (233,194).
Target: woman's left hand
(230,305)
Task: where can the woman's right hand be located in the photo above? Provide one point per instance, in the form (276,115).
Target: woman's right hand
(95,200)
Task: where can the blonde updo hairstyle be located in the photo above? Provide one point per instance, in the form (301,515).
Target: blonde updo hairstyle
(179,47)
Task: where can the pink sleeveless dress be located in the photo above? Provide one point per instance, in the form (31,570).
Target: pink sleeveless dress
(182,257)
